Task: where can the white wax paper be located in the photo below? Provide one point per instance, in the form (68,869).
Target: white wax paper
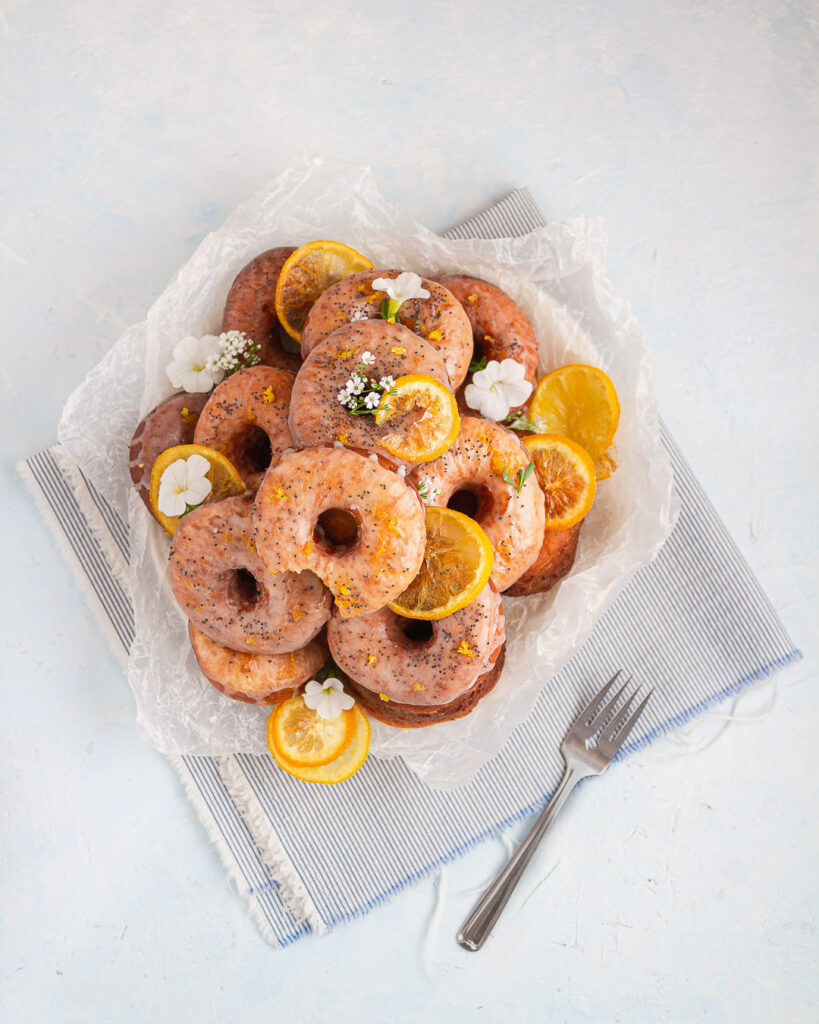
(557,275)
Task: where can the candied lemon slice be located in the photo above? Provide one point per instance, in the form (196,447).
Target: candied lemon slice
(456,567)
(424,416)
(566,476)
(223,476)
(345,764)
(579,402)
(306,273)
(303,738)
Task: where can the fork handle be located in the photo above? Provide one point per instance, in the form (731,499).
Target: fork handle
(476,928)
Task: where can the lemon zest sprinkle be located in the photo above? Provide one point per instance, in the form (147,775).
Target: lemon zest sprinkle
(464,648)
(384,697)
(399,350)
(434,335)
(267,395)
(419,686)
(472,299)
(371,659)
(344,438)
(308,548)
(277,492)
(188,416)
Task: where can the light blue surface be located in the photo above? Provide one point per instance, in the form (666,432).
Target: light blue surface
(685,888)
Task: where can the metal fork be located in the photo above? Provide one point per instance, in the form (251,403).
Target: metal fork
(581,760)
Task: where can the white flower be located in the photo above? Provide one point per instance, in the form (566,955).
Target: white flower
(427,492)
(184,483)
(367,358)
(387,382)
(371,399)
(497,388)
(327,699)
(343,397)
(406,286)
(190,369)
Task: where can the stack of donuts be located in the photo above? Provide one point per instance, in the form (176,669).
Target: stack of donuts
(331,529)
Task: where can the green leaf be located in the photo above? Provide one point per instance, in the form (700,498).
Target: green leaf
(526,474)
(476,365)
(508,478)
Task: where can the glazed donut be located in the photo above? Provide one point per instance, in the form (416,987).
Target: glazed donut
(500,328)
(316,415)
(554,561)
(250,308)
(246,419)
(419,663)
(222,586)
(256,678)
(440,319)
(469,478)
(415,716)
(383,554)
(171,423)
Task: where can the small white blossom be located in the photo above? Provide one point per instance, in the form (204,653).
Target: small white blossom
(343,397)
(327,699)
(367,358)
(184,484)
(190,367)
(372,399)
(495,389)
(403,288)
(236,350)
(427,492)
(387,382)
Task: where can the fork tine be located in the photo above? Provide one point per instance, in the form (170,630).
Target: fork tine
(621,737)
(612,727)
(597,721)
(592,705)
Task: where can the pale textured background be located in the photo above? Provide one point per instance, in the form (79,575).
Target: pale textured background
(685,887)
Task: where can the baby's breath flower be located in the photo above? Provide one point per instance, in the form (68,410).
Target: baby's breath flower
(367,358)
(427,492)
(387,382)
(237,351)
(372,399)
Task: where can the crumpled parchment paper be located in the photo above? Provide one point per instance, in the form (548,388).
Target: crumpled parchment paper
(557,275)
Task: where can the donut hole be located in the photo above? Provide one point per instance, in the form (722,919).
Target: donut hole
(256,451)
(243,590)
(286,343)
(418,631)
(473,500)
(336,530)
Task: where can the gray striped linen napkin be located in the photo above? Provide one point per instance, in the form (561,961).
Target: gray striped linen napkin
(695,623)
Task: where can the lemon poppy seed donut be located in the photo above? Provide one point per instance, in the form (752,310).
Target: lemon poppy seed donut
(250,308)
(245,418)
(419,663)
(385,547)
(500,328)
(440,319)
(316,414)
(416,716)
(223,587)
(470,478)
(171,423)
(554,561)
(256,678)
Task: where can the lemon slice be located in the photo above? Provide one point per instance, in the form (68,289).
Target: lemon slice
(345,764)
(223,476)
(579,402)
(306,273)
(456,567)
(566,476)
(425,417)
(303,738)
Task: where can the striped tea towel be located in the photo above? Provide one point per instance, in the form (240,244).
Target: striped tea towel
(694,623)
